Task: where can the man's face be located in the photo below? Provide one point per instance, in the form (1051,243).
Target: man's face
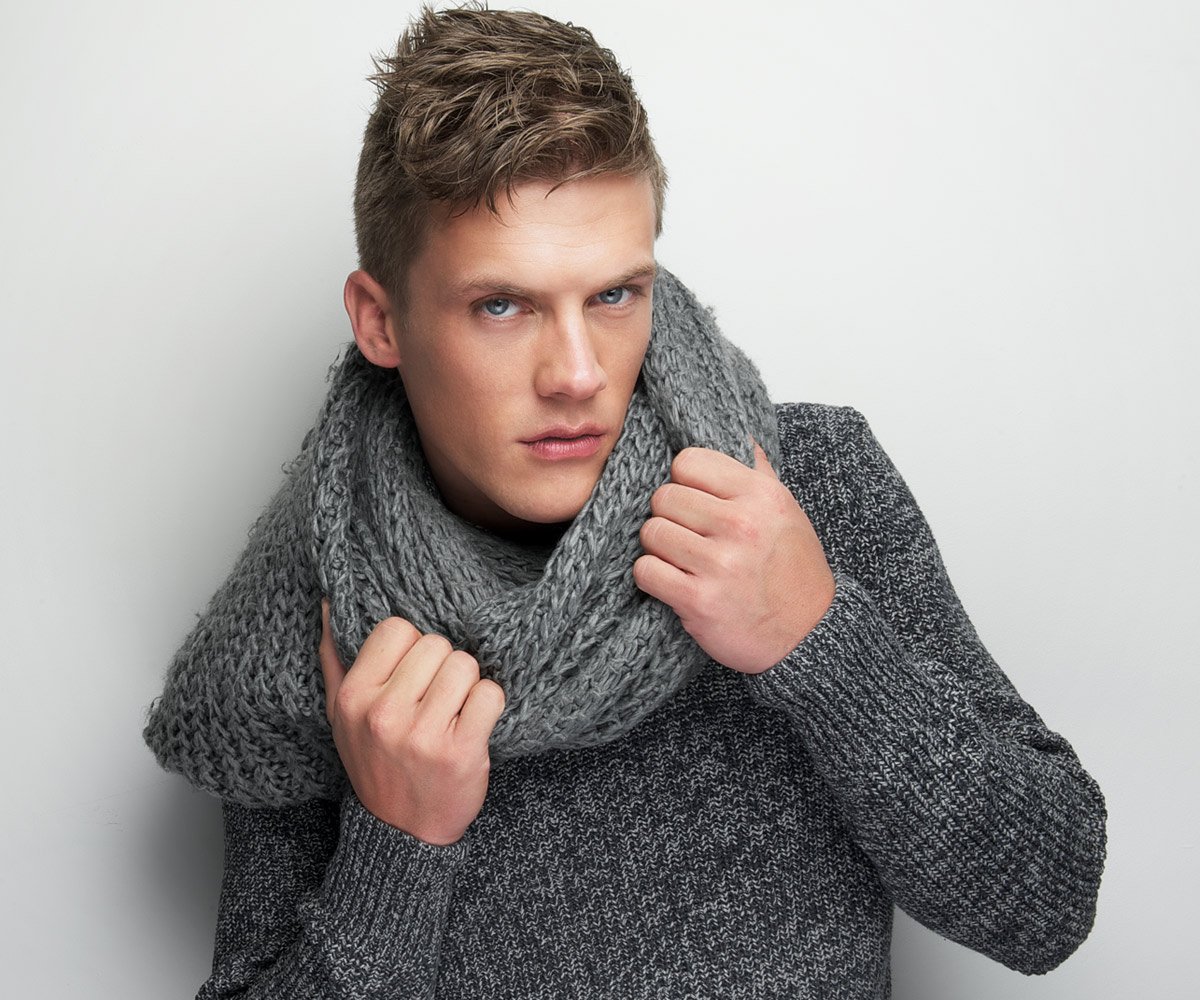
(521,324)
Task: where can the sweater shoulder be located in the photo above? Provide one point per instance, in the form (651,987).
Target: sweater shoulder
(818,433)
(817,417)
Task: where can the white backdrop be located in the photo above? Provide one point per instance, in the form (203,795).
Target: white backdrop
(976,222)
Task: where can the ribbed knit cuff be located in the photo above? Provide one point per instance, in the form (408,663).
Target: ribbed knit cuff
(387,883)
(851,686)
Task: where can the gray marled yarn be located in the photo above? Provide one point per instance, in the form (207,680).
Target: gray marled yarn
(746,841)
(582,654)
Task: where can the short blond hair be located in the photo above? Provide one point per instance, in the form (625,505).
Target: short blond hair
(475,101)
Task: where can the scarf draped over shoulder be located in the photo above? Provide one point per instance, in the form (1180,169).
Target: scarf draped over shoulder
(582,654)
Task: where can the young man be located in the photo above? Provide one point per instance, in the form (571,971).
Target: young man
(565,663)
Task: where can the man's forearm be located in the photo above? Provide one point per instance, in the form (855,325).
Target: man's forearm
(981,822)
(298,921)
(986,829)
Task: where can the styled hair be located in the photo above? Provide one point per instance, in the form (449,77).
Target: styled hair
(474,102)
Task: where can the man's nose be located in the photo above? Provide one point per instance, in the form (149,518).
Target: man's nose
(568,364)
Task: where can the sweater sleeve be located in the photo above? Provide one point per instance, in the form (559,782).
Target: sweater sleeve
(314,905)
(979,820)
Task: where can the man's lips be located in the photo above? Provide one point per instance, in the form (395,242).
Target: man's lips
(559,443)
(563,432)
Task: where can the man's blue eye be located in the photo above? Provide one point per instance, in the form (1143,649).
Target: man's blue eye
(613,297)
(497,307)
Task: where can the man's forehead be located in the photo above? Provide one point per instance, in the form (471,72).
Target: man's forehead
(597,231)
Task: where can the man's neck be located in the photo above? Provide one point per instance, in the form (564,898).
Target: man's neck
(534,536)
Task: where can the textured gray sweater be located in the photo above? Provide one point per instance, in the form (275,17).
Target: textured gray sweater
(747,839)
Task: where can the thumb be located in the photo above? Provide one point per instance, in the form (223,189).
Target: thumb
(332,668)
(761,462)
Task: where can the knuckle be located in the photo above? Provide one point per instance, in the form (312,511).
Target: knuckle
(380,721)
(464,663)
(459,672)
(427,744)
(438,644)
(495,690)
(413,744)
(397,626)
(682,462)
(342,705)
(727,563)
(743,526)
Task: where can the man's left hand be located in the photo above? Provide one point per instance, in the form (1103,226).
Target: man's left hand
(732,552)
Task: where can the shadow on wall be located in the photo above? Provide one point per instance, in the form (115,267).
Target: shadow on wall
(926,966)
(184,855)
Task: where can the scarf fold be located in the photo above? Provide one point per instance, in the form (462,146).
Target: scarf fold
(582,654)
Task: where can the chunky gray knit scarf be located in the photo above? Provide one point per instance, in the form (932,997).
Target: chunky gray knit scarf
(582,654)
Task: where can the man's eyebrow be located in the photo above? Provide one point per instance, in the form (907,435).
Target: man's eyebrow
(639,273)
(502,287)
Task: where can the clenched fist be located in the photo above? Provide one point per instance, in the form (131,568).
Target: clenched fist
(411,721)
(730,550)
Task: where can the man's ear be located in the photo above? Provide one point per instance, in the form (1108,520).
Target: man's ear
(370,310)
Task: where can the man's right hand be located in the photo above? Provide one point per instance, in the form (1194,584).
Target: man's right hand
(411,721)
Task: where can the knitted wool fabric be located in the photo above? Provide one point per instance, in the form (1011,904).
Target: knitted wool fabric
(581,653)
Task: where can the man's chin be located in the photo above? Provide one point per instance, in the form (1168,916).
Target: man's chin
(548,519)
(559,515)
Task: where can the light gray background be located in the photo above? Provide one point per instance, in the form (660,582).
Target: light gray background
(977,222)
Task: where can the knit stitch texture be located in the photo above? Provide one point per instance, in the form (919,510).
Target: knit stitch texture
(747,839)
(581,652)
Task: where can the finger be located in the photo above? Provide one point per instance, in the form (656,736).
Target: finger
(480,712)
(660,579)
(675,544)
(761,462)
(332,668)
(414,672)
(711,471)
(687,506)
(448,689)
(388,644)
